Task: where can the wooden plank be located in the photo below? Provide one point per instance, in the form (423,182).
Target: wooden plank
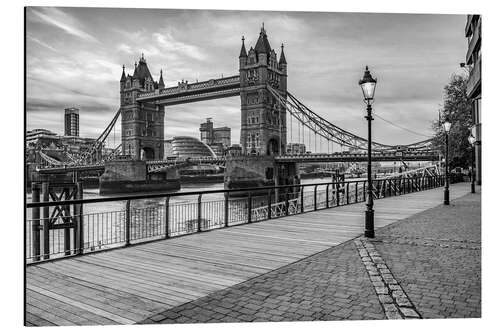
(130,284)
(81,305)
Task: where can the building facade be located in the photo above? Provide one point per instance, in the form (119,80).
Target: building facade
(263,119)
(293,148)
(218,138)
(473,60)
(142,122)
(71,122)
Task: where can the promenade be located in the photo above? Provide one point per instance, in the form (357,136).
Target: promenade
(311,266)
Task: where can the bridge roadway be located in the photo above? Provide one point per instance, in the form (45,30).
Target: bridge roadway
(127,285)
(306,158)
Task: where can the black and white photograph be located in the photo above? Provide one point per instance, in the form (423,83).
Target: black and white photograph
(198,165)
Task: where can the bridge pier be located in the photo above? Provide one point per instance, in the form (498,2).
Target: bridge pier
(126,176)
(250,171)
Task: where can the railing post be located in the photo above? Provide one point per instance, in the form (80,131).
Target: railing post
(287,203)
(46,222)
(226,209)
(67,231)
(127,223)
(302,199)
(337,194)
(269,213)
(356,192)
(315,197)
(35,225)
(327,203)
(364,190)
(78,217)
(199,212)
(346,189)
(249,204)
(167,217)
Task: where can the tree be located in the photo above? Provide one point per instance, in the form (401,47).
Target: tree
(458,109)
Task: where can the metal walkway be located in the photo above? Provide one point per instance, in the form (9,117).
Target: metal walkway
(128,285)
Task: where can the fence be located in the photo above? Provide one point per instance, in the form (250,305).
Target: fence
(137,223)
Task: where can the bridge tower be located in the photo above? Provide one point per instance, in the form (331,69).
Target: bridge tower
(142,122)
(263,119)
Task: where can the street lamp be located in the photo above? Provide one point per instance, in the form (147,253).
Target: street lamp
(367,84)
(472,141)
(446,127)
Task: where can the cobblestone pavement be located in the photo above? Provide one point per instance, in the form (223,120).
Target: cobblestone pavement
(434,256)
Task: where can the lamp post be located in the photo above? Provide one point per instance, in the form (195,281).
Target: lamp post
(367,84)
(472,141)
(446,127)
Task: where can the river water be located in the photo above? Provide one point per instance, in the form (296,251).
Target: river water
(104,222)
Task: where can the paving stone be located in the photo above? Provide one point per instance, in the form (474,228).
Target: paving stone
(408,312)
(385,299)
(381,290)
(403,301)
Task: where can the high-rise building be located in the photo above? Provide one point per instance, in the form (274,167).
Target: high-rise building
(473,60)
(71,122)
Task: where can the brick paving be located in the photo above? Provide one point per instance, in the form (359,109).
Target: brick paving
(390,293)
(434,256)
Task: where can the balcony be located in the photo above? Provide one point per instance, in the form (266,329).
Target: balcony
(474,83)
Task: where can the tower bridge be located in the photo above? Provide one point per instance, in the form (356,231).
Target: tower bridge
(265,103)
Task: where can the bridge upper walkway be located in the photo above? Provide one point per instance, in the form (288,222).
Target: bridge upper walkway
(130,284)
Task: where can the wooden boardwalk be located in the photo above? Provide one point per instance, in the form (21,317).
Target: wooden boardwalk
(127,285)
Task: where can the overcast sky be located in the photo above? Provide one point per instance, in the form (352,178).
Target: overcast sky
(75,57)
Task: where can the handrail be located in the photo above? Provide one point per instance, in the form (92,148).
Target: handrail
(177,194)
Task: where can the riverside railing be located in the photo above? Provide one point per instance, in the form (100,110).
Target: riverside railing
(110,222)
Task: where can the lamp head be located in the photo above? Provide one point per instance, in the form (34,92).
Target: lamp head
(368,84)
(447,125)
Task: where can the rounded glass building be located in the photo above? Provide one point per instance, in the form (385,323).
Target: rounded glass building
(188,147)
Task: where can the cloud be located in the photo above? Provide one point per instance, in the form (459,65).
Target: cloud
(326,54)
(39,42)
(63,21)
(170,44)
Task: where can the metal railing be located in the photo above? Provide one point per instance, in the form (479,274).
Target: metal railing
(143,218)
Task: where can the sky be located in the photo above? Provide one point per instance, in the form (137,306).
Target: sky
(74,58)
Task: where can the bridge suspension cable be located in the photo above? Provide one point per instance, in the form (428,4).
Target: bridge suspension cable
(400,127)
(100,140)
(326,129)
